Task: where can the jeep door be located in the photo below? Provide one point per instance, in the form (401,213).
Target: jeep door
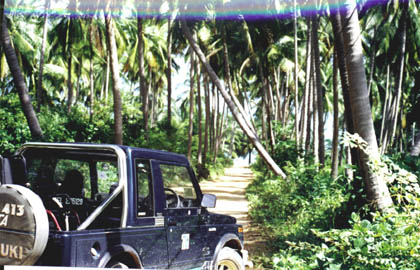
(182,217)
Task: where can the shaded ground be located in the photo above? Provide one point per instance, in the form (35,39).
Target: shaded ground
(230,192)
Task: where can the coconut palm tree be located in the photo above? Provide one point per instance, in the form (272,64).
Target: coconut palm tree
(19,82)
(377,189)
(243,122)
(115,71)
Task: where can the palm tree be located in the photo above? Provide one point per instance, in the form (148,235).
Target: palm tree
(19,82)
(319,92)
(112,51)
(191,99)
(169,70)
(39,90)
(143,87)
(377,189)
(244,123)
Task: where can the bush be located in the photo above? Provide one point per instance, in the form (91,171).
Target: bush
(381,241)
(308,198)
(388,242)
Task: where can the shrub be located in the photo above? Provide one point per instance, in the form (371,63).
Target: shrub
(308,198)
(388,242)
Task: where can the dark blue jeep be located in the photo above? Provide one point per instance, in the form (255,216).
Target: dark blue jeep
(113,206)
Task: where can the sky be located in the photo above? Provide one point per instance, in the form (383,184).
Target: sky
(224,9)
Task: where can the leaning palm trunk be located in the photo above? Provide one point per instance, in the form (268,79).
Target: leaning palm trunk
(377,189)
(19,82)
(115,72)
(238,116)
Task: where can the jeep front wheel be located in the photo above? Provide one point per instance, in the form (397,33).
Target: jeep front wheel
(23,226)
(115,264)
(229,259)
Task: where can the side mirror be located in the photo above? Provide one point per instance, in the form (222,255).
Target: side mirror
(208,201)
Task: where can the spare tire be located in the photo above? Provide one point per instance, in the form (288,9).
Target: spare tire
(23,226)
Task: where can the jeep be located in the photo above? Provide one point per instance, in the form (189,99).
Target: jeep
(111,206)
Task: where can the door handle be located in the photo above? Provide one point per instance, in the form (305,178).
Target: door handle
(204,219)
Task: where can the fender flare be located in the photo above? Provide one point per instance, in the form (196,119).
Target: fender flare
(229,237)
(118,250)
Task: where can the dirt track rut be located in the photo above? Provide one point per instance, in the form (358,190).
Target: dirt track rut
(230,192)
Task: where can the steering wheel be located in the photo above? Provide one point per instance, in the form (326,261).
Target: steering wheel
(65,209)
(65,199)
(173,200)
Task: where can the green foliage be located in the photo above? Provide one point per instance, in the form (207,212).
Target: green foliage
(285,151)
(300,211)
(388,242)
(14,129)
(78,126)
(308,198)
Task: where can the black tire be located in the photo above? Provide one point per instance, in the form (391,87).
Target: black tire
(229,259)
(116,264)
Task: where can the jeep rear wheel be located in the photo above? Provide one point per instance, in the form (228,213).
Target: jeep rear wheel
(229,259)
(23,226)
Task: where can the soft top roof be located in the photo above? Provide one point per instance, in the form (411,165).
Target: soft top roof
(128,150)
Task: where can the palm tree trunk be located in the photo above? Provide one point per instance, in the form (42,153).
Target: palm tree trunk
(191,113)
(78,85)
(244,123)
(400,77)
(143,88)
(309,112)
(372,61)
(315,133)
(415,150)
(352,154)
(91,77)
(306,112)
(19,82)
(383,139)
(200,114)
(377,189)
(115,72)
(320,96)
(296,77)
(207,120)
(70,96)
(334,165)
(39,91)
(169,71)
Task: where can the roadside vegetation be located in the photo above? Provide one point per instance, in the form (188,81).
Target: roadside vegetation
(316,221)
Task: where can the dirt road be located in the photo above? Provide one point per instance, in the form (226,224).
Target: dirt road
(230,192)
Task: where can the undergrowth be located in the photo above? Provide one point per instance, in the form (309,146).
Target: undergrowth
(315,224)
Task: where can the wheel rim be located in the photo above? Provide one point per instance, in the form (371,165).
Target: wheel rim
(119,265)
(227,265)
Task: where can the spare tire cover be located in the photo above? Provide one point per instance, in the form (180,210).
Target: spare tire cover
(23,226)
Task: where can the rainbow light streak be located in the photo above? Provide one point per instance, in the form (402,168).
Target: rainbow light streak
(188,9)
